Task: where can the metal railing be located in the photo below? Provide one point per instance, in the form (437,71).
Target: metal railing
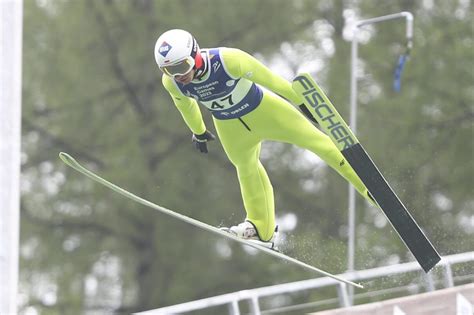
(253,296)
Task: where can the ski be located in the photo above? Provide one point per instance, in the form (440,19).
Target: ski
(335,127)
(70,161)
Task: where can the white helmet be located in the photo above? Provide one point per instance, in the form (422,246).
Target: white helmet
(177,52)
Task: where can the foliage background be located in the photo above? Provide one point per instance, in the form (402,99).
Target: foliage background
(91,88)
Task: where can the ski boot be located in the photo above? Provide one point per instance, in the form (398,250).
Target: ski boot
(247,231)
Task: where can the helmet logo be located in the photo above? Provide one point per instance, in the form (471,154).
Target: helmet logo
(164,49)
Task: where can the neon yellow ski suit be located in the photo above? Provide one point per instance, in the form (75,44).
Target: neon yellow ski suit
(269,117)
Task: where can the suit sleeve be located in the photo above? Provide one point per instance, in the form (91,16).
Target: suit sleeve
(242,65)
(187,106)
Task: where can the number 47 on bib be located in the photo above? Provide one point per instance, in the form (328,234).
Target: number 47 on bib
(335,127)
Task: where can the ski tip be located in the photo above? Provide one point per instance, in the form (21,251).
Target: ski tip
(66,158)
(303,74)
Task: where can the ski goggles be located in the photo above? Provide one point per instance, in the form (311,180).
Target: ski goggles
(179,68)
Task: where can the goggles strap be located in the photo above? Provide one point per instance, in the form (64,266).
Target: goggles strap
(200,65)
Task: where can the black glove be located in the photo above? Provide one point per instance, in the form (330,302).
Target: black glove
(307,113)
(200,141)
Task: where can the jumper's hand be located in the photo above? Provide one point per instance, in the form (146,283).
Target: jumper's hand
(307,113)
(200,141)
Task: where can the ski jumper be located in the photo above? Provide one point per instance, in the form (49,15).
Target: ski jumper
(244,115)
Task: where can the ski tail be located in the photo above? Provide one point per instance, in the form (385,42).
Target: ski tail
(336,128)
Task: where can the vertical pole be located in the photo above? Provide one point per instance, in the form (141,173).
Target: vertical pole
(353,120)
(11,13)
(430,285)
(353,126)
(448,276)
(342,293)
(254,306)
(234,308)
